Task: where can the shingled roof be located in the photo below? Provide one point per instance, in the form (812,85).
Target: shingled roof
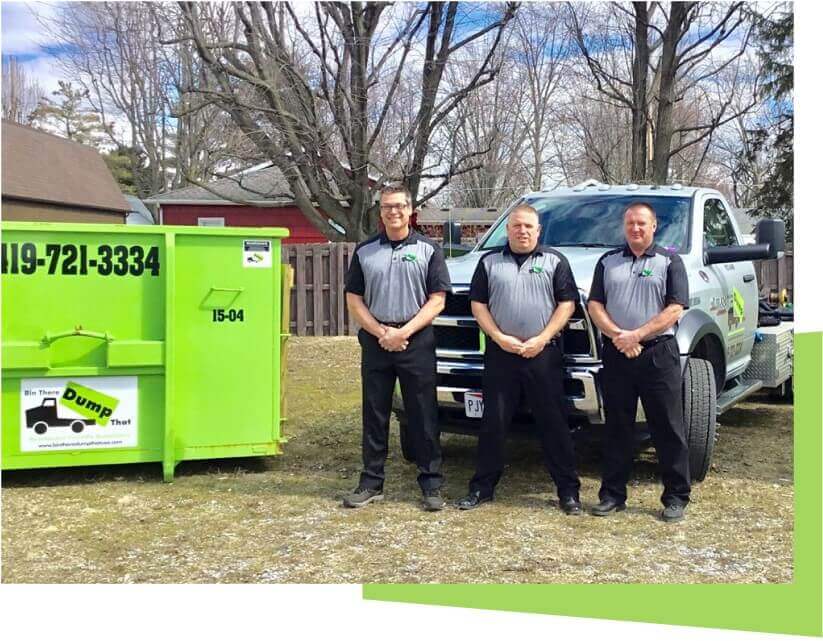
(44,168)
(258,185)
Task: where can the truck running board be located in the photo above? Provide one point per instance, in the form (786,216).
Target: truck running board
(737,393)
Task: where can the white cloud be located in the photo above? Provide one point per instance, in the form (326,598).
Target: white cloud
(24,36)
(22,32)
(45,71)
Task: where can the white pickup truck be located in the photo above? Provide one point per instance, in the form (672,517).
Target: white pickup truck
(725,355)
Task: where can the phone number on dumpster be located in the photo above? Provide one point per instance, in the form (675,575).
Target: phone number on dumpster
(79,260)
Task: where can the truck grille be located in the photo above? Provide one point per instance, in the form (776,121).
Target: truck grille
(467,338)
(455,330)
(457,305)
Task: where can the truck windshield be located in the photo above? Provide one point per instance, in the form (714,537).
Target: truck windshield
(597,221)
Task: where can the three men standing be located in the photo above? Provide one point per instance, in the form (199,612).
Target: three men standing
(395,287)
(522,297)
(637,296)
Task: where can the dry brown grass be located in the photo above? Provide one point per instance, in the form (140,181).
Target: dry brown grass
(279,520)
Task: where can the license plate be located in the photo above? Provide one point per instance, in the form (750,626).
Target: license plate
(474,404)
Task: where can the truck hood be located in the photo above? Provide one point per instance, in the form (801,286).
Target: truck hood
(581,259)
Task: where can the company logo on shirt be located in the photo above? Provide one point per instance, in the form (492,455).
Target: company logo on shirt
(645,273)
(409,258)
(536,269)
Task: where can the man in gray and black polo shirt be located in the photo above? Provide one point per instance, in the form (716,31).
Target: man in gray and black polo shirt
(522,296)
(637,296)
(396,285)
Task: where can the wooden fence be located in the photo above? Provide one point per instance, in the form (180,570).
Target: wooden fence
(318,303)
(776,274)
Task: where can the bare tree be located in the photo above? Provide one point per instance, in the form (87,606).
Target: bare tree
(488,123)
(543,45)
(21,93)
(112,50)
(653,56)
(318,122)
(518,115)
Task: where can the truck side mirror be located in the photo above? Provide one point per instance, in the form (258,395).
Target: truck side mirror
(452,233)
(773,233)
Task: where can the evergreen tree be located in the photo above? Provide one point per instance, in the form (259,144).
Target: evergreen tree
(774,138)
(67,115)
(128,166)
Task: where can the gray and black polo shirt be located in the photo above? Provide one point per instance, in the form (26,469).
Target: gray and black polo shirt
(396,278)
(635,289)
(523,290)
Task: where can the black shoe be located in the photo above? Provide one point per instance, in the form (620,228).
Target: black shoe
(571,505)
(432,501)
(471,501)
(673,512)
(362,496)
(607,506)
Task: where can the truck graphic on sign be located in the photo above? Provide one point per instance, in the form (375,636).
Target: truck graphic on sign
(45,416)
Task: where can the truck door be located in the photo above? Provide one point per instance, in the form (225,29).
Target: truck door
(736,301)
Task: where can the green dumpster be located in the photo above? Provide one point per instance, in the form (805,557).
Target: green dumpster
(135,344)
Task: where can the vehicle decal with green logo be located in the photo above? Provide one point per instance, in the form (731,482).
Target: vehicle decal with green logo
(738,303)
(88,402)
(736,313)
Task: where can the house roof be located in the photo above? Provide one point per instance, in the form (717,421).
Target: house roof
(464,215)
(267,185)
(44,168)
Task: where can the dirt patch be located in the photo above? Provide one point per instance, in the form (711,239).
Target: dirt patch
(279,519)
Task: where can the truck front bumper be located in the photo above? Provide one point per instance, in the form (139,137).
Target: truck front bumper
(582,391)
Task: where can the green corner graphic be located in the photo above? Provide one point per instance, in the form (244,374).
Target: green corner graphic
(791,608)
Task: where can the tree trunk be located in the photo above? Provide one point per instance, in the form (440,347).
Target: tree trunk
(666,96)
(432,74)
(640,72)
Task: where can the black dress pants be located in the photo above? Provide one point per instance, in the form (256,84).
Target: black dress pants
(656,379)
(505,377)
(416,369)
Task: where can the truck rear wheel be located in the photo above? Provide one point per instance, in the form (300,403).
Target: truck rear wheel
(77,426)
(406,447)
(699,415)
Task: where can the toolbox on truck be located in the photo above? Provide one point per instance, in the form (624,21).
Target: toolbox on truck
(772,355)
(126,345)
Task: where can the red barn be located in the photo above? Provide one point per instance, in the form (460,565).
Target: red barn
(265,192)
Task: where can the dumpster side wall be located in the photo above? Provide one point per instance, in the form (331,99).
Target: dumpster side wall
(124,345)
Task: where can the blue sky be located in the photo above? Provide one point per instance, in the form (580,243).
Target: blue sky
(24,38)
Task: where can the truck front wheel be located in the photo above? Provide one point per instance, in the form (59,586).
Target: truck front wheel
(40,427)
(699,415)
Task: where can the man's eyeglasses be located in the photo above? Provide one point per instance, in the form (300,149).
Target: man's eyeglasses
(393,207)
